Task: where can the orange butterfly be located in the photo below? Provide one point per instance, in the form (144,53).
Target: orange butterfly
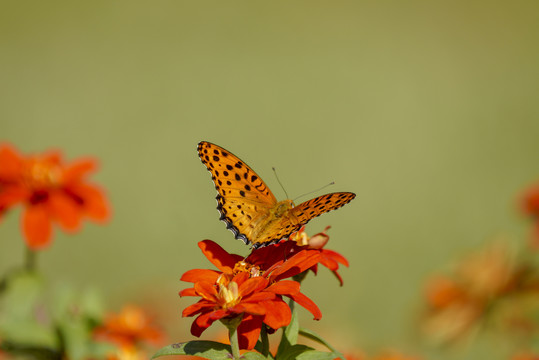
(247,205)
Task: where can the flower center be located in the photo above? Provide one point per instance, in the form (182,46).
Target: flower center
(39,174)
(244,266)
(229,294)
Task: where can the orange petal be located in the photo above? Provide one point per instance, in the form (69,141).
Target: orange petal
(278,314)
(249,331)
(76,171)
(335,256)
(296,264)
(307,304)
(95,202)
(261,296)
(197,307)
(206,290)
(37,227)
(64,210)
(218,256)
(11,163)
(11,195)
(250,308)
(196,275)
(284,287)
(251,285)
(188,292)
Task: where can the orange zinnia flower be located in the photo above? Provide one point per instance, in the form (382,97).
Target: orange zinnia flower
(300,241)
(243,289)
(129,328)
(530,206)
(51,192)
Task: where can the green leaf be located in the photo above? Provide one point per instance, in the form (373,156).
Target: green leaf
(309,334)
(253,356)
(293,352)
(23,319)
(317,355)
(290,335)
(304,352)
(206,349)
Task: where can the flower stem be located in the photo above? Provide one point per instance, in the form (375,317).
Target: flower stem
(232,326)
(265,341)
(234,343)
(30,260)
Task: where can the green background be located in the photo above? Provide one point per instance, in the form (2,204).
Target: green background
(427,110)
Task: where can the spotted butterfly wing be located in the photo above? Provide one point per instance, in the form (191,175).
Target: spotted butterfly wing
(321,204)
(249,208)
(243,197)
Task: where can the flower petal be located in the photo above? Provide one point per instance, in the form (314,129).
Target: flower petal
(92,200)
(64,210)
(278,313)
(206,290)
(11,163)
(188,292)
(335,256)
(202,306)
(37,227)
(76,171)
(295,265)
(284,287)
(11,195)
(249,331)
(260,296)
(201,323)
(218,256)
(251,285)
(196,275)
(250,308)
(307,304)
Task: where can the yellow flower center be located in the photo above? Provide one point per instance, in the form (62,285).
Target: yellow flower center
(40,174)
(229,294)
(243,266)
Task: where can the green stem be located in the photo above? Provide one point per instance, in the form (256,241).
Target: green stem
(265,341)
(234,343)
(30,260)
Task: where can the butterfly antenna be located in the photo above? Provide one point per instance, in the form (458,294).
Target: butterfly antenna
(310,192)
(279,181)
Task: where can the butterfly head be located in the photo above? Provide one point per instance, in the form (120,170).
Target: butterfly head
(282,207)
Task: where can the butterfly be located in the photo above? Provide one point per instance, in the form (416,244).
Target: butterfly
(249,208)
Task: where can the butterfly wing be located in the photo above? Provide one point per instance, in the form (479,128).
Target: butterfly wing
(300,215)
(310,209)
(243,198)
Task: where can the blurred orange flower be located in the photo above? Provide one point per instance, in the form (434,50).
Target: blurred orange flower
(388,355)
(51,191)
(530,206)
(127,353)
(525,356)
(456,303)
(132,326)
(395,356)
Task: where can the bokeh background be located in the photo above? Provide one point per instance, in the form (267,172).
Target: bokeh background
(427,110)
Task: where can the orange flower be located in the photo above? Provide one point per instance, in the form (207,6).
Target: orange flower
(244,290)
(129,328)
(299,241)
(457,303)
(51,192)
(395,356)
(525,356)
(530,206)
